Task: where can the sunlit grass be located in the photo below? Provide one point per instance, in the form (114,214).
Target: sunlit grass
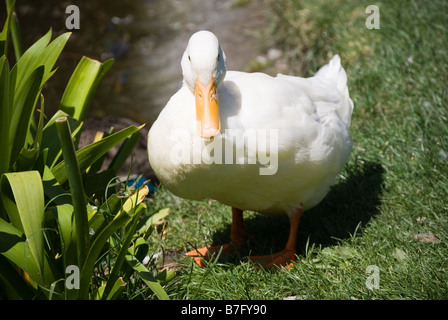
(393,189)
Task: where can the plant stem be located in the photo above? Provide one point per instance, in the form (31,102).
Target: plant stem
(76,188)
(15,31)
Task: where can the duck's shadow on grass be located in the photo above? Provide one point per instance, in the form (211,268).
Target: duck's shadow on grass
(346,209)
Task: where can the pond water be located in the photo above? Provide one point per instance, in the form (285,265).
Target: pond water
(147,39)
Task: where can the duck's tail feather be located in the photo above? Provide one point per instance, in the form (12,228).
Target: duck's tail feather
(335,73)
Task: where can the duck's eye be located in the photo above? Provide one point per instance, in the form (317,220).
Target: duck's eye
(189,58)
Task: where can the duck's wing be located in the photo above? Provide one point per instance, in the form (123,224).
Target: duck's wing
(311,115)
(328,90)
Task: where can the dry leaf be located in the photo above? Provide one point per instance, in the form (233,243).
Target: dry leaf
(426,237)
(421,220)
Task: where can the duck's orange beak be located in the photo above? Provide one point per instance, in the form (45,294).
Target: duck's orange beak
(208,123)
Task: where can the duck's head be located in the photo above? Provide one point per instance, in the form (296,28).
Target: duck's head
(204,69)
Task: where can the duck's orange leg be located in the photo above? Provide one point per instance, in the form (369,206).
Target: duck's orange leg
(238,235)
(287,255)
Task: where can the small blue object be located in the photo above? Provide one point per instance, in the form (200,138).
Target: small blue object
(139,182)
(136,183)
(151,187)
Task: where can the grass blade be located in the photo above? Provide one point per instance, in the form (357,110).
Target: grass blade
(76,188)
(147,277)
(5,115)
(87,269)
(124,152)
(50,138)
(123,217)
(135,202)
(5,31)
(15,30)
(82,85)
(41,53)
(25,64)
(64,216)
(40,126)
(117,289)
(91,153)
(24,101)
(25,191)
(13,285)
(16,249)
(114,275)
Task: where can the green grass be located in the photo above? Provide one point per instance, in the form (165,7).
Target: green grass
(393,188)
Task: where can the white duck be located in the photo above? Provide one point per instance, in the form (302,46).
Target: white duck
(251,141)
